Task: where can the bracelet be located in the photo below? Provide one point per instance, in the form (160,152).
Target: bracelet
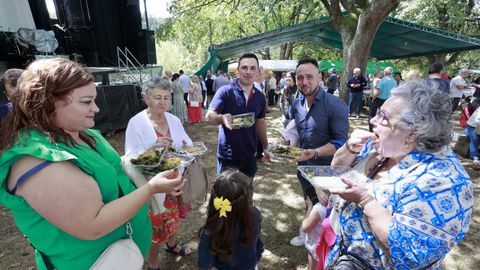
(365,201)
(349,149)
(315,154)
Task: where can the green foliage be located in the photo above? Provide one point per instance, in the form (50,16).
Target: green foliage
(460,16)
(233,19)
(173,56)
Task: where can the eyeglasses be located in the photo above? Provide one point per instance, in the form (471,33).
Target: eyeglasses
(382,117)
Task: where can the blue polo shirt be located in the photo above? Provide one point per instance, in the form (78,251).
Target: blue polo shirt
(237,143)
(325,122)
(386,85)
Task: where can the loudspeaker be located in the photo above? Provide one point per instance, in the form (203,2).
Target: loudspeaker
(147,52)
(73,13)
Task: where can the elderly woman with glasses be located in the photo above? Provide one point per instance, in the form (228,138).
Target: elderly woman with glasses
(156,125)
(416,202)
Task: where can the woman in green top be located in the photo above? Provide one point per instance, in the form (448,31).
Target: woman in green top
(62,181)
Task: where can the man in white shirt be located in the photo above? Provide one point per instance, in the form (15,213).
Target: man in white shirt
(457,86)
(185,82)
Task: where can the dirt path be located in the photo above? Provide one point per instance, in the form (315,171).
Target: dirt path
(277,195)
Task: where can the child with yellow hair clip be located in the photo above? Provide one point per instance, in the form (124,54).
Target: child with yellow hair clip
(230,239)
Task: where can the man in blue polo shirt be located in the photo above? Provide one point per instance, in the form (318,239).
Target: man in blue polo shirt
(322,124)
(237,147)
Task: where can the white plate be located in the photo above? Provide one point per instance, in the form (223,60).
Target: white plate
(327,177)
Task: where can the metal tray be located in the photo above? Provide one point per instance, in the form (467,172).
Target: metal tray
(244,120)
(137,151)
(196,149)
(185,161)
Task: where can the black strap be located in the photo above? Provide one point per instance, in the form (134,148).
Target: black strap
(377,168)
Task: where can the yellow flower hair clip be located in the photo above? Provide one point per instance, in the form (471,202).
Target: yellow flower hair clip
(222,205)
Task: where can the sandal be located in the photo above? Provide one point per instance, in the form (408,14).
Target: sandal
(183,247)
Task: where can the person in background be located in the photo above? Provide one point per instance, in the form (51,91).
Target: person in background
(179,109)
(271,83)
(413,75)
(398,77)
(195,101)
(332,81)
(62,181)
(185,82)
(471,126)
(375,81)
(282,83)
(8,82)
(381,93)
(230,238)
(434,76)
(457,87)
(209,84)
(420,193)
(220,81)
(204,92)
(156,125)
(289,94)
(356,83)
(237,147)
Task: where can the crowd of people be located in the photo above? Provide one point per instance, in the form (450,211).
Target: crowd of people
(62,179)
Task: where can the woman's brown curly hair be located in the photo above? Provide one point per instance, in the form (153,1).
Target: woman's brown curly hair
(43,83)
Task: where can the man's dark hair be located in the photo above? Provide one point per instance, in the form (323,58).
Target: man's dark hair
(248,55)
(307,61)
(435,68)
(180,71)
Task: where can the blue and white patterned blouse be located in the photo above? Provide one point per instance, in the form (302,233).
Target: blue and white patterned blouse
(430,197)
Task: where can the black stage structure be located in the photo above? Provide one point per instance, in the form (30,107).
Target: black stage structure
(89,32)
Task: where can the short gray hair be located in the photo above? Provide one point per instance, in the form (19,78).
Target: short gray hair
(428,113)
(388,71)
(156,82)
(463,70)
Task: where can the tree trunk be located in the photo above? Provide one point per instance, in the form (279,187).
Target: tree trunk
(357,27)
(286,51)
(356,50)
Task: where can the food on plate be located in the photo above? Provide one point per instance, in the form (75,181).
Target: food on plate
(168,164)
(191,150)
(288,151)
(242,121)
(149,157)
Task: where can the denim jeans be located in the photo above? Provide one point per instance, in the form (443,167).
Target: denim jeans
(355,102)
(473,136)
(248,166)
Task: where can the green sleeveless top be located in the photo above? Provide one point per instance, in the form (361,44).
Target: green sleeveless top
(63,250)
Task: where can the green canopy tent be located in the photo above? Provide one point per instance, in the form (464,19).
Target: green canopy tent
(394,39)
(372,67)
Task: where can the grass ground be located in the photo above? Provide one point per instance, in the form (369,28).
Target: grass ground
(277,195)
